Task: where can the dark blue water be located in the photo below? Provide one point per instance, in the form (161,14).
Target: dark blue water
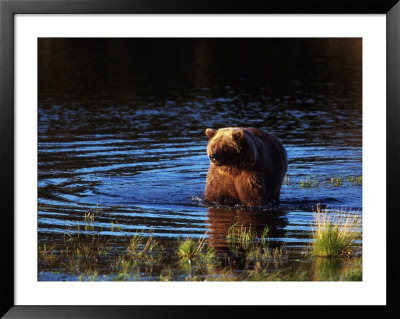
(121,130)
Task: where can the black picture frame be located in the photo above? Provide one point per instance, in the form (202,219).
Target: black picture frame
(9,8)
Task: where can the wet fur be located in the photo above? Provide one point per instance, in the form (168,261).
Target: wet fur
(251,168)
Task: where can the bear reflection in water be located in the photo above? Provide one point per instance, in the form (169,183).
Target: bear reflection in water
(247,166)
(221,219)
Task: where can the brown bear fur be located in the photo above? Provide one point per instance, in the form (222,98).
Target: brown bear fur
(247,166)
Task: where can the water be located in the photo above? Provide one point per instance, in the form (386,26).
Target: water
(121,127)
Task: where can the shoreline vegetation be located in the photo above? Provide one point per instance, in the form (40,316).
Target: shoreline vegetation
(333,255)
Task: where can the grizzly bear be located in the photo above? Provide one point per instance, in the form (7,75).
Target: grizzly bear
(247,166)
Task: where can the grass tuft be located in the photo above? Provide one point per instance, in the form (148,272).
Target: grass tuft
(190,249)
(241,237)
(335,236)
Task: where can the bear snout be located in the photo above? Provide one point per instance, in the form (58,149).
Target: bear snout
(216,159)
(219,159)
(213,157)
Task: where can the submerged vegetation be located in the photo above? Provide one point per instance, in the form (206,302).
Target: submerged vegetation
(249,255)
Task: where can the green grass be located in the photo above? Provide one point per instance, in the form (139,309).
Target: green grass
(335,236)
(240,237)
(196,259)
(244,237)
(265,234)
(252,250)
(190,249)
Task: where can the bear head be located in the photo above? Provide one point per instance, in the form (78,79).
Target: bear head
(231,147)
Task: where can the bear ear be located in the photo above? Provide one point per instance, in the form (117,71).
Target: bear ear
(210,132)
(238,135)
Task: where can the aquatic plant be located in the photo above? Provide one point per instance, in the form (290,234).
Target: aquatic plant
(309,182)
(197,259)
(240,237)
(250,258)
(115,223)
(190,249)
(317,208)
(134,244)
(245,237)
(88,222)
(89,217)
(47,253)
(264,234)
(336,181)
(355,180)
(253,252)
(335,236)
